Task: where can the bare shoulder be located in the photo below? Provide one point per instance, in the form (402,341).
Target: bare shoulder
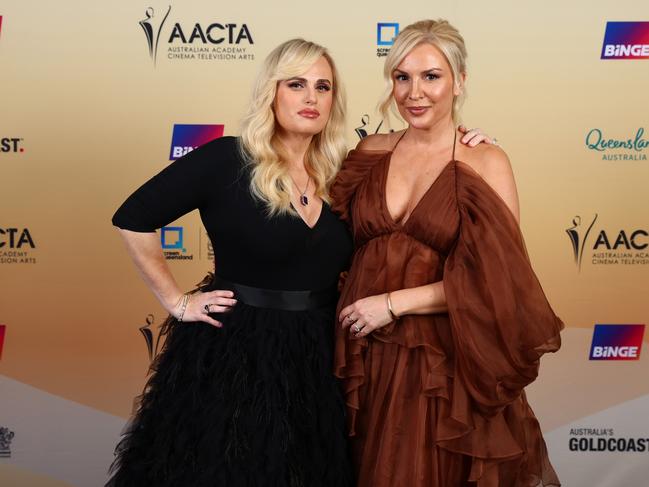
(379,141)
(486,159)
(492,163)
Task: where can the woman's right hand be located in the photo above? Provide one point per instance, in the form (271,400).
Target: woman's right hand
(200,304)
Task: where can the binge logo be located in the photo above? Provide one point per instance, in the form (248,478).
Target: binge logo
(171,238)
(617,342)
(186,138)
(626,40)
(2,338)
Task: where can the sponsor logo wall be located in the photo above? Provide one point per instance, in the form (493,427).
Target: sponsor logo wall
(78,328)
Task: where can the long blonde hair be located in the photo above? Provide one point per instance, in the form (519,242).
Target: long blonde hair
(439,33)
(270,180)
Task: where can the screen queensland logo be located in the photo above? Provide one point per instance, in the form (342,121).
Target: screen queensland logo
(626,40)
(606,246)
(177,39)
(172,240)
(632,146)
(385,34)
(186,138)
(617,342)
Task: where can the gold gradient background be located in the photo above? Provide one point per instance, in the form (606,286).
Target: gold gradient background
(97,117)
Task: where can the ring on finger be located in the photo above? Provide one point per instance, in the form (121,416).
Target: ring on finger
(207,308)
(356,328)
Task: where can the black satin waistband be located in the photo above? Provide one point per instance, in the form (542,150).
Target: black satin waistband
(276,298)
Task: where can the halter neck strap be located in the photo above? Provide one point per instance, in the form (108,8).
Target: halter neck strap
(399,140)
(454,141)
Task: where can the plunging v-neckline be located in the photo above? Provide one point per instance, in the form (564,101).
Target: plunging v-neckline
(386,171)
(315,224)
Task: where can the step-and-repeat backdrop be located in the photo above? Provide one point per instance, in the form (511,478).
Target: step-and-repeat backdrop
(96,98)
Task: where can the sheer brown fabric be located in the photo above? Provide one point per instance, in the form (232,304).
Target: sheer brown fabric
(437,400)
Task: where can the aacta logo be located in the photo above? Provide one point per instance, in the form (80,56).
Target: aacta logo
(15,238)
(627,247)
(201,41)
(214,34)
(11,144)
(362,129)
(617,342)
(152,26)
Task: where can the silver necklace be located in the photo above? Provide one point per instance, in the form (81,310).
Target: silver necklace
(304,200)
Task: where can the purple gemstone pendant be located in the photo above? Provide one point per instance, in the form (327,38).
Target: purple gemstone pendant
(304,200)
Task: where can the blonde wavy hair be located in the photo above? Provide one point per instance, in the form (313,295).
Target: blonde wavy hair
(439,33)
(270,180)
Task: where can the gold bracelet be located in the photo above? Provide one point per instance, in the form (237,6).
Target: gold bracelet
(389,301)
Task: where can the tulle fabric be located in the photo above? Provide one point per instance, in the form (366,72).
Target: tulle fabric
(438,400)
(251,404)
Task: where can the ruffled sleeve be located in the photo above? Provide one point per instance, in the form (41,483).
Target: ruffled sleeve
(501,321)
(354,169)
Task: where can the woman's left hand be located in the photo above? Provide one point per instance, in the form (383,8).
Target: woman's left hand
(473,137)
(366,315)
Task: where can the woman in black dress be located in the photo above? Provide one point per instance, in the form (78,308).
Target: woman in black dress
(242,393)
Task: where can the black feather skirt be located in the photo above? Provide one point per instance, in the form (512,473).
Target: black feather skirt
(254,403)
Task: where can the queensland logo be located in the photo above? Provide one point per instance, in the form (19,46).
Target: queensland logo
(172,240)
(616,342)
(6,436)
(3,331)
(16,246)
(186,138)
(605,246)
(625,149)
(195,41)
(626,40)
(385,35)
(13,145)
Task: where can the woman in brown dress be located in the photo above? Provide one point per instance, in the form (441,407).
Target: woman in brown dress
(442,319)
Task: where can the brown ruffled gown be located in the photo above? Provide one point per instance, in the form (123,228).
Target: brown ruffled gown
(438,400)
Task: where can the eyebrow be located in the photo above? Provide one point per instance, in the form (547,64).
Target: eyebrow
(424,71)
(304,80)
